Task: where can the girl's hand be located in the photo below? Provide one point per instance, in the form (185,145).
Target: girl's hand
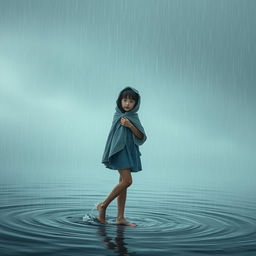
(125,122)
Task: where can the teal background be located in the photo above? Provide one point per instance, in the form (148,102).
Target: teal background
(63,63)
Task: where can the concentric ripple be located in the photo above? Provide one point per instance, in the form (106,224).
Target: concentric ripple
(61,220)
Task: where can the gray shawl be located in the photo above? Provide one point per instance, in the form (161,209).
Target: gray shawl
(118,133)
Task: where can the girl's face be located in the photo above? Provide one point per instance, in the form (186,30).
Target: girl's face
(127,104)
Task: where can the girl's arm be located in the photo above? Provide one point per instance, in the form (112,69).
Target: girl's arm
(136,131)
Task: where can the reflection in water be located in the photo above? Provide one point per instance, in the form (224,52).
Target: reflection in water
(118,243)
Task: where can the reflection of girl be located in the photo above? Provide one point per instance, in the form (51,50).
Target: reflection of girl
(122,150)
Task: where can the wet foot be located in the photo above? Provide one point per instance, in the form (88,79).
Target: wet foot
(101,209)
(125,222)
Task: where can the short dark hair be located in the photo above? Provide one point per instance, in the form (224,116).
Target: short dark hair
(127,93)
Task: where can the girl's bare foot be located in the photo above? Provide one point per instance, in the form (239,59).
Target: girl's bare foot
(123,221)
(101,209)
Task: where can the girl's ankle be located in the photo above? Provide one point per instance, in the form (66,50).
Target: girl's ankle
(103,205)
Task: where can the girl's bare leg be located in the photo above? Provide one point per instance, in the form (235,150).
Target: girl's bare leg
(121,206)
(125,182)
(121,201)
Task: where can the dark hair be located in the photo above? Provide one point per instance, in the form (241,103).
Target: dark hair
(127,93)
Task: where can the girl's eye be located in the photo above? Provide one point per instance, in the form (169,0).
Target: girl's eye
(126,100)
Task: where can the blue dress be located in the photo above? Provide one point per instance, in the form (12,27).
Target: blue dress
(128,157)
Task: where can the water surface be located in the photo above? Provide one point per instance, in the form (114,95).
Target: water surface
(60,219)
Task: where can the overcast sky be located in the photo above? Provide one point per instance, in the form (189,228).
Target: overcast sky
(63,63)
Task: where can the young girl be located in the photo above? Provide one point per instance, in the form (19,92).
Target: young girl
(122,150)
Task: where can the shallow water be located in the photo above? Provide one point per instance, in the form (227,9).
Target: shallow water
(60,219)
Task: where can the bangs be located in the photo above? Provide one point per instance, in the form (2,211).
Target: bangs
(129,94)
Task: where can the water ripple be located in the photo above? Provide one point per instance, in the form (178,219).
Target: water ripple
(41,220)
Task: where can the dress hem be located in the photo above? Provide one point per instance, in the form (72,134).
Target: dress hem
(123,168)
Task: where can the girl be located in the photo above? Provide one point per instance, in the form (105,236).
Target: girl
(122,150)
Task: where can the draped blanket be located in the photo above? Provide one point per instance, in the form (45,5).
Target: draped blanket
(118,133)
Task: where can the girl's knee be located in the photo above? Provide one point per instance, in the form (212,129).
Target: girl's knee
(128,182)
(125,177)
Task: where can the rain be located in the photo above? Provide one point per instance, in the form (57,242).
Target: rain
(62,66)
